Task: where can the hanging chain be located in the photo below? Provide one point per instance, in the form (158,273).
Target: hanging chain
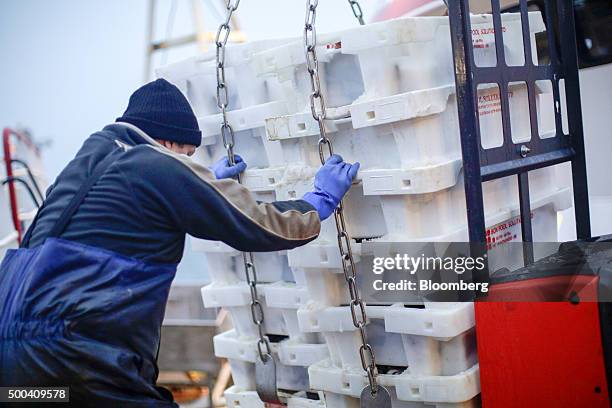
(317,107)
(227,134)
(357,11)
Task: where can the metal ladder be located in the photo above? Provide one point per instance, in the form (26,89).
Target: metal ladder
(201,37)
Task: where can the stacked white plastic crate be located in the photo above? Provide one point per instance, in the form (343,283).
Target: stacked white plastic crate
(252,100)
(395,80)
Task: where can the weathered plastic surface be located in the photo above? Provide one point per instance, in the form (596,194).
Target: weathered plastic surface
(280,302)
(237,398)
(404,386)
(292,360)
(436,340)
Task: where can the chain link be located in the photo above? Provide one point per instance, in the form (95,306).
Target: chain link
(317,107)
(357,11)
(227,135)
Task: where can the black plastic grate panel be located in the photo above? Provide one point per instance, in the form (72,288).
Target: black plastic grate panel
(519,158)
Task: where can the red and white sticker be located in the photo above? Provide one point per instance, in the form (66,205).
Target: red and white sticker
(484,37)
(489,101)
(504,232)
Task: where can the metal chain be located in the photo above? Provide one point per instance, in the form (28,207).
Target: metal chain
(317,107)
(357,11)
(227,134)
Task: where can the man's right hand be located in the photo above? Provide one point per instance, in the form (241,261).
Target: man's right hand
(332,182)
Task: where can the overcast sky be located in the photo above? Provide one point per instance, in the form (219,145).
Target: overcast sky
(69,66)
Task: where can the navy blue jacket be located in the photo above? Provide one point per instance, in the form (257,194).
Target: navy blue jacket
(151,197)
(81,305)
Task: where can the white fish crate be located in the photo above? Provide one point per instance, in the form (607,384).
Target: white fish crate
(326,284)
(228,267)
(292,359)
(341,83)
(417,130)
(436,217)
(280,317)
(280,302)
(441,216)
(433,339)
(236,398)
(251,99)
(317,266)
(344,401)
(404,55)
(196,78)
(250,137)
(408,143)
(387,58)
(459,389)
(291,378)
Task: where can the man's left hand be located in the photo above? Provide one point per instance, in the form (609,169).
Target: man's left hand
(223,169)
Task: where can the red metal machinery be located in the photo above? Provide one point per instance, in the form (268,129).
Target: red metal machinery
(9,161)
(533,351)
(544,335)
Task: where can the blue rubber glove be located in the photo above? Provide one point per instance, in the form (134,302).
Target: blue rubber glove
(222,168)
(332,182)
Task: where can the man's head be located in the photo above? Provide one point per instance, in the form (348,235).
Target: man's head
(161,111)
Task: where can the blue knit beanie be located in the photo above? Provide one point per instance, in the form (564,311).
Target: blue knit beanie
(161,110)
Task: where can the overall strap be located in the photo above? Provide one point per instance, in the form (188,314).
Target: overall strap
(66,216)
(64,219)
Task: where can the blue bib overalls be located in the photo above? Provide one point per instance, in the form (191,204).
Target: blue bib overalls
(84,317)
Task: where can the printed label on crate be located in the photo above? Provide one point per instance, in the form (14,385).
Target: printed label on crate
(504,232)
(484,37)
(489,101)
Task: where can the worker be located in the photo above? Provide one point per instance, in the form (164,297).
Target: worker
(82,300)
